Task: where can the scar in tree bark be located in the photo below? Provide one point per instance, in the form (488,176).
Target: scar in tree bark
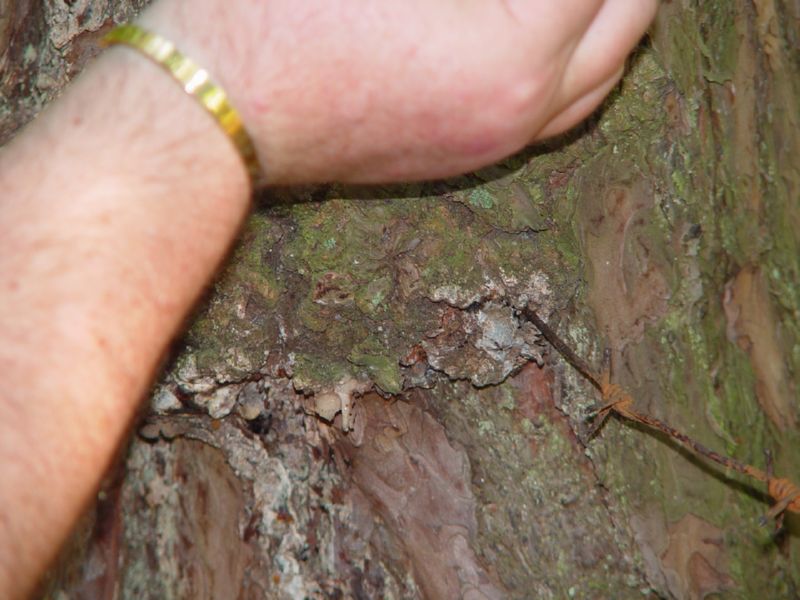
(616,400)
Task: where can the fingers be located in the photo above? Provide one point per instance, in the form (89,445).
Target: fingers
(581,108)
(598,61)
(615,31)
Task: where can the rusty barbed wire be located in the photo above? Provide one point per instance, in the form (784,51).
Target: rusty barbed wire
(616,400)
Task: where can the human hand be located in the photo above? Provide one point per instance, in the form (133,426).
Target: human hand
(375,91)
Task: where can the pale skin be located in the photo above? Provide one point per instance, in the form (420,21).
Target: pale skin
(120,201)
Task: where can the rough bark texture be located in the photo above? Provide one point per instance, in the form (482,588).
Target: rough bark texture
(665,229)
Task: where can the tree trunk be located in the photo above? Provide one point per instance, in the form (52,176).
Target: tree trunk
(359,411)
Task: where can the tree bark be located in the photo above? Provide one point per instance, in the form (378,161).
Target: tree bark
(358,410)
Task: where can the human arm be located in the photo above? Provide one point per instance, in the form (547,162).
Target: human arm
(120,201)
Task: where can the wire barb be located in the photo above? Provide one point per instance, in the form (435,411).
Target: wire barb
(616,400)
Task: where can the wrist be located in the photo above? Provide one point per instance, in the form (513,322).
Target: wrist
(170,142)
(196,82)
(205,38)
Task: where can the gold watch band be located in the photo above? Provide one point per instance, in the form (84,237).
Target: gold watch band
(196,82)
